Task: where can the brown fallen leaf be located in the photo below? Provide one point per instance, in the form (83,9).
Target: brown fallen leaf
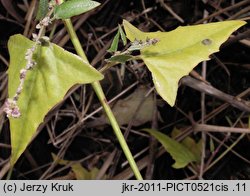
(136,108)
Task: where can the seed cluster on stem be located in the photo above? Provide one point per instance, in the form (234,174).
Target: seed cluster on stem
(10,106)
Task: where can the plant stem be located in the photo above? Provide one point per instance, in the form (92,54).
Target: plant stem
(100,94)
(74,39)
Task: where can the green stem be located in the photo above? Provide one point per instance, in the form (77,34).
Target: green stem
(76,43)
(99,92)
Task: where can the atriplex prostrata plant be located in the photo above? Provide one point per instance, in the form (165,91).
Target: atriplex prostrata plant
(168,55)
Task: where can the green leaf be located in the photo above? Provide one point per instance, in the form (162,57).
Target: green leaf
(123,36)
(114,45)
(120,58)
(83,174)
(80,172)
(211,145)
(72,8)
(182,155)
(43,7)
(177,52)
(45,85)
(190,144)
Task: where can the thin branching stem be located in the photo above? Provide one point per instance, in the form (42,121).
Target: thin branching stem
(100,94)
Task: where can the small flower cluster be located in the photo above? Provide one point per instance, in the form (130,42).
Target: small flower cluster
(139,44)
(11,108)
(44,22)
(30,62)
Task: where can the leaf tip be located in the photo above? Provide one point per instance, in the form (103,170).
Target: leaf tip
(125,22)
(132,32)
(168,95)
(242,22)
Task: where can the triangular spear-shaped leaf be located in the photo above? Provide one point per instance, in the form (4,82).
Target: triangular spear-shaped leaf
(177,52)
(123,36)
(115,42)
(179,152)
(190,143)
(45,85)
